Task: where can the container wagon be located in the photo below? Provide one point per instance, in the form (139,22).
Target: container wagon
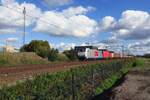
(111,54)
(106,54)
(91,52)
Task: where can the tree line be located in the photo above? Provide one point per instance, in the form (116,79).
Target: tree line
(44,50)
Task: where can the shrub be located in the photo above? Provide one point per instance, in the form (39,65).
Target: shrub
(83,82)
(138,62)
(40,47)
(62,57)
(53,55)
(71,54)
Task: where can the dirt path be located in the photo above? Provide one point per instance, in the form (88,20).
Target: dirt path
(134,86)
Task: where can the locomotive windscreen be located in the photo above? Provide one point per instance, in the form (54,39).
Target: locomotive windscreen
(80,49)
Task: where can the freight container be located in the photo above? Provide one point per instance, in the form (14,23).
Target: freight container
(117,55)
(105,54)
(111,54)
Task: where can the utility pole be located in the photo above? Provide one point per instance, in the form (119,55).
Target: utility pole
(24,27)
(6,45)
(122,51)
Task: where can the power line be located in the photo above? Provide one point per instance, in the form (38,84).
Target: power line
(35,17)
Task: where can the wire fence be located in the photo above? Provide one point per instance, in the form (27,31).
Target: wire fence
(75,84)
(84,84)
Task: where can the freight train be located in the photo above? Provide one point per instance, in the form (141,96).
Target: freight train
(91,52)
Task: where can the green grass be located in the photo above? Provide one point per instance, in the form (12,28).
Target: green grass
(106,84)
(61,58)
(143,63)
(13,59)
(139,62)
(110,81)
(58,86)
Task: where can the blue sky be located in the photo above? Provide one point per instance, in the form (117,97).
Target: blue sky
(104,20)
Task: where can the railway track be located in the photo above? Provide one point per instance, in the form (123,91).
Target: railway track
(26,68)
(10,75)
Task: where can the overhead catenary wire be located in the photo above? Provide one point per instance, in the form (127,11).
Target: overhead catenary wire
(20,11)
(39,19)
(35,17)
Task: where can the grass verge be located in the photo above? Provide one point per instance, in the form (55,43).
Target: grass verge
(13,59)
(66,85)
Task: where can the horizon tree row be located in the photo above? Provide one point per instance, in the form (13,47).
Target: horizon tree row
(43,49)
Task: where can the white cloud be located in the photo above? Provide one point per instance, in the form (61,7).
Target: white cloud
(101,45)
(5,2)
(140,47)
(69,22)
(11,17)
(53,3)
(65,46)
(7,31)
(107,23)
(132,25)
(133,19)
(11,39)
(140,44)
(76,11)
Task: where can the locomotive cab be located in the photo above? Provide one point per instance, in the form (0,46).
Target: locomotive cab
(87,52)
